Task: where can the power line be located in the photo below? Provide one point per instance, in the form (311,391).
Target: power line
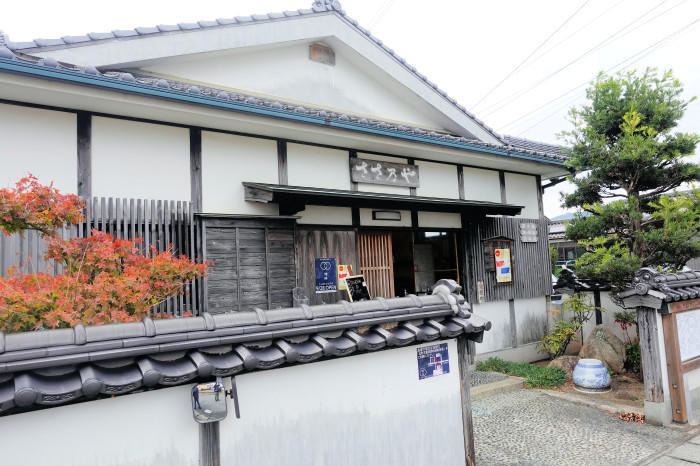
(635,58)
(521,117)
(608,39)
(514,70)
(575,32)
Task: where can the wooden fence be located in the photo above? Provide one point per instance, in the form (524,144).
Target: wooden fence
(161,224)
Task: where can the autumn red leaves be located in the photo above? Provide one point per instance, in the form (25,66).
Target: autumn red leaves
(104,279)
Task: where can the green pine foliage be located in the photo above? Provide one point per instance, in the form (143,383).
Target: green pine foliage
(628,160)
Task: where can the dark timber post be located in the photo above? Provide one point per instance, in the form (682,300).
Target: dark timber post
(196,169)
(84,155)
(463,360)
(209,444)
(596,302)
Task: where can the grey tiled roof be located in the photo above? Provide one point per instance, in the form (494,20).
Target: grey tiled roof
(64,365)
(250,101)
(668,287)
(318,6)
(528,144)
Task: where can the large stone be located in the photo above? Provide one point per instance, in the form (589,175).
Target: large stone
(565,363)
(604,345)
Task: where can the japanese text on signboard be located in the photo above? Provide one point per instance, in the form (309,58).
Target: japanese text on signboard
(433,360)
(326,275)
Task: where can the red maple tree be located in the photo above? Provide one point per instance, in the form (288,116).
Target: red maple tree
(103,280)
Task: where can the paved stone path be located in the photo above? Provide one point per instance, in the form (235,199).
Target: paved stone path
(477,378)
(529,427)
(687,454)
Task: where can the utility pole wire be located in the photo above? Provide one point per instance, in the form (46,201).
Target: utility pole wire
(514,70)
(643,53)
(521,117)
(610,38)
(615,5)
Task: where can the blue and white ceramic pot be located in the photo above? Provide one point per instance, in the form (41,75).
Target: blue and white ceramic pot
(591,376)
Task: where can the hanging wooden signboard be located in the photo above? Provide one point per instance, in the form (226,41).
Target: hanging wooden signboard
(357,288)
(381,172)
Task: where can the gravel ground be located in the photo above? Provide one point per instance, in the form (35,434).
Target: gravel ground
(528,427)
(481,378)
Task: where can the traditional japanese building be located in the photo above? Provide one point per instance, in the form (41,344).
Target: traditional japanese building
(292,138)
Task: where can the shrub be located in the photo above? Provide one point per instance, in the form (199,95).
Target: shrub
(633,358)
(556,342)
(535,376)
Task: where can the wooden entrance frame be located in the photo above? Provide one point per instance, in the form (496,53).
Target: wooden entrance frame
(677,367)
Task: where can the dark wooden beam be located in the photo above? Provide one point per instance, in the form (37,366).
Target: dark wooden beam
(412,191)
(460,181)
(502,181)
(597,304)
(463,359)
(354,186)
(355,216)
(414,218)
(540,201)
(282,171)
(84,120)
(196,169)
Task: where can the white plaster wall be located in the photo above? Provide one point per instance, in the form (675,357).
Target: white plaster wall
(40,142)
(378,188)
(324,215)
(438,180)
(481,185)
(368,409)
(148,428)
(318,167)
(345,86)
(140,160)
(499,337)
(439,220)
(227,161)
(522,190)
(531,319)
(366,219)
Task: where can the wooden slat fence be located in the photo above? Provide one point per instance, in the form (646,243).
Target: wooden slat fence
(161,224)
(531,264)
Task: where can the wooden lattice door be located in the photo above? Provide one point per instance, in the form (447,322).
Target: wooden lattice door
(376,262)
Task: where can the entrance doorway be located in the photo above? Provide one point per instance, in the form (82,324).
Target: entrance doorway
(401,262)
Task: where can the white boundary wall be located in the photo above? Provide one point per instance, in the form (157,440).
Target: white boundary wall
(369,409)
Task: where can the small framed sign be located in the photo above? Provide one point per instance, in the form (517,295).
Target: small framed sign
(357,288)
(504,272)
(344,271)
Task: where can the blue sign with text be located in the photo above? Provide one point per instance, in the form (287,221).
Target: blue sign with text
(433,360)
(326,275)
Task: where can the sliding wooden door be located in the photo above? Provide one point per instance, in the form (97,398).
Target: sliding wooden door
(376,262)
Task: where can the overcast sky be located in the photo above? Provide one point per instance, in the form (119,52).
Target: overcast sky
(466,47)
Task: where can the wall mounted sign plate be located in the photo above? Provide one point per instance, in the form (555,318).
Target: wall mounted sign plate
(326,272)
(433,360)
(381,172)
